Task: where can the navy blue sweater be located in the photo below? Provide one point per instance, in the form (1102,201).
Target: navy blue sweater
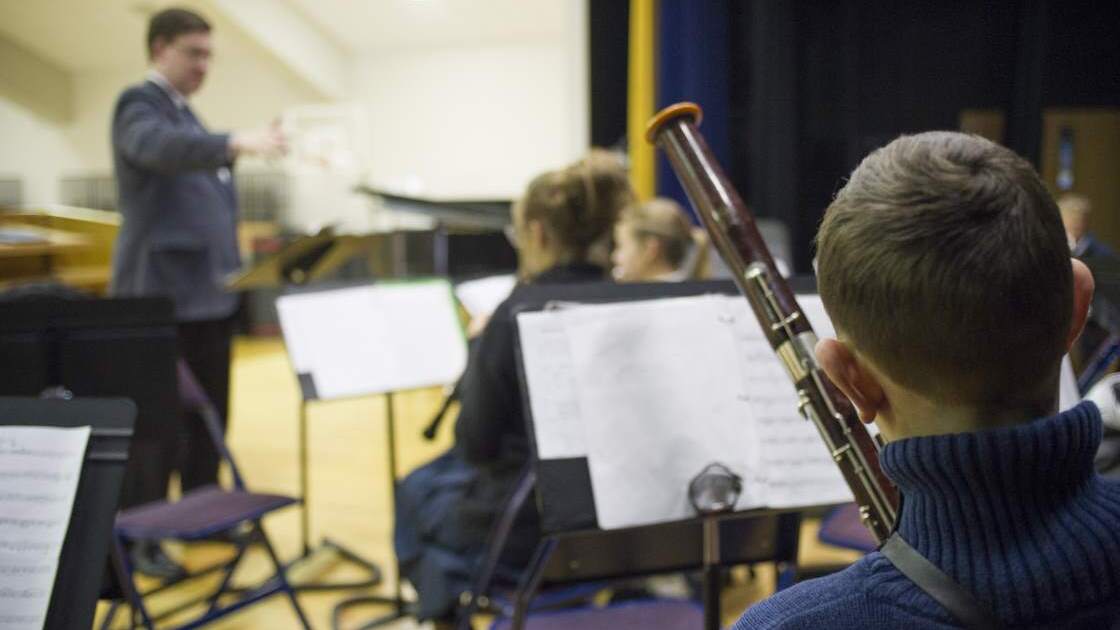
(1016,515)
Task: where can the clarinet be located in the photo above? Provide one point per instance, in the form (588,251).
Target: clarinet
(736,238)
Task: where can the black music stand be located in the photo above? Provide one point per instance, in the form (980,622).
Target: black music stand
(85,550)
(301,261)
(101,347)
(576,550)
(315,388)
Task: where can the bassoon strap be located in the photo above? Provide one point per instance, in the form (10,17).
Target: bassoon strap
(960,603)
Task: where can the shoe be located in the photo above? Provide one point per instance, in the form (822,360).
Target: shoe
(148,557)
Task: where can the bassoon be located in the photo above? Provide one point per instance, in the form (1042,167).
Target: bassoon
(735,236)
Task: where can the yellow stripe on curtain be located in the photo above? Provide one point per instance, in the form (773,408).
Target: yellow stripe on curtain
(641,94)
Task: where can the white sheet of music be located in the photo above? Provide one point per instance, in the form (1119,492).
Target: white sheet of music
(665,387)
(482,296)
(39,472)
(374,339)
(798,469)
(659,402)
(550,378)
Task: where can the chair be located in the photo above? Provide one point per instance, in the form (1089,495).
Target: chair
(484,594)
(202,514)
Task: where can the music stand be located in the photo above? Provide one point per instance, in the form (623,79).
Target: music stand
(81,565)
(575,549)
(305,260)
(298,262)
(370,340)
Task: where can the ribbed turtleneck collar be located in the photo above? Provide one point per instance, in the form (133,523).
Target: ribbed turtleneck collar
(1016,515)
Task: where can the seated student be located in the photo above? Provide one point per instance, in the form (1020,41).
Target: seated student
(947,274)
(445,509)
(655,241)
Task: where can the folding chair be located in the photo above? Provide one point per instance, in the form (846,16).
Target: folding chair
(485,594)
(201,514)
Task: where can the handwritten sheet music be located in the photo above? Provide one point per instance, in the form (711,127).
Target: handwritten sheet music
(792,451)
(39,472)
(482,296)
(550,378)
(374,339)
(658,406)
(664,387)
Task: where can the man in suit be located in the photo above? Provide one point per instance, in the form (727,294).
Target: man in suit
(178,234)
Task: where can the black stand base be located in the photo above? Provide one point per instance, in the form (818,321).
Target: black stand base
(328,545)
(401,609)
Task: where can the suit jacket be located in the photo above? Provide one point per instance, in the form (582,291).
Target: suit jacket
(178,233)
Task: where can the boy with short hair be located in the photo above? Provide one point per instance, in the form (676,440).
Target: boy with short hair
(944,266)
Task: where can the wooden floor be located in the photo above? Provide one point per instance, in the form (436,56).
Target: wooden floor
(349,489)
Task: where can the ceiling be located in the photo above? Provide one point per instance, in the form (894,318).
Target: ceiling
(72,33)
(364,25)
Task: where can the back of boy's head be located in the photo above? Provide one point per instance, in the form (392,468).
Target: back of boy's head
(943,260)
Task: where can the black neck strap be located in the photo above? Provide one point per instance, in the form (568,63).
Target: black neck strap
(960,603)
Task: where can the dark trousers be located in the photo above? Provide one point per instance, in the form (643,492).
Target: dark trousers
(205,346)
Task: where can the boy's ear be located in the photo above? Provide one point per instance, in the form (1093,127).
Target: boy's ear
(1083,287)
(851,377)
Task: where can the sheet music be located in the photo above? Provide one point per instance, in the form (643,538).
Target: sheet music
(550,378)
(662,388)
(482,296)
(374,339)
(659,403)
(799,470)
(39,472)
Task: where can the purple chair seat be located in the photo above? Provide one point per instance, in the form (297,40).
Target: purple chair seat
(842,528)
(200,514)
(669,614)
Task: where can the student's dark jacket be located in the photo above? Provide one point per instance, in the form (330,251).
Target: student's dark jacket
(490,432)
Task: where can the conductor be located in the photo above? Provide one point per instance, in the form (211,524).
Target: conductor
(178,238)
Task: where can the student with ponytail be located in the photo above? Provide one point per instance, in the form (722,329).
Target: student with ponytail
(655,241)
(445,509)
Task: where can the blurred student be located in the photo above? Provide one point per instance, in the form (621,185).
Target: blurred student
(446,508)
(654,241)
(1076,210)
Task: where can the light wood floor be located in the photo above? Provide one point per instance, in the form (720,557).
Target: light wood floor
(349,489)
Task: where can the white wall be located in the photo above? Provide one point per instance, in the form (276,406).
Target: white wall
(35,150)
(460,121)
(475,122)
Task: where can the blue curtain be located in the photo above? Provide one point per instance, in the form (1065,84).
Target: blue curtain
(693,64)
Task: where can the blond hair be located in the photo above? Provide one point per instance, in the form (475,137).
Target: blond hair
(682,243)
(579,205)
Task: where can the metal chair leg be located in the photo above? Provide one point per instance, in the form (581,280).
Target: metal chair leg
(531,582)
(280,574)
(124,576)
(227,577)
(110,615)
